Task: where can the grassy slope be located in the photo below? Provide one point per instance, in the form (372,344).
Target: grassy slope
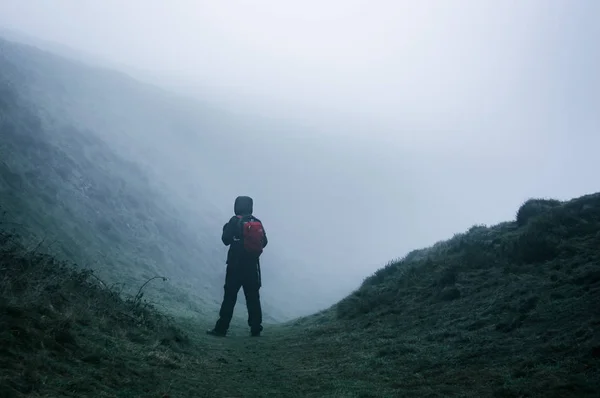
(68,187)
(510,310)
(506,311)
(79,170)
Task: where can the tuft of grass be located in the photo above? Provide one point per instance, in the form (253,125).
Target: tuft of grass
(62,329)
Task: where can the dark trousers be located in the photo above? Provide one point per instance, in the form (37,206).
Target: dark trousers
(246,276)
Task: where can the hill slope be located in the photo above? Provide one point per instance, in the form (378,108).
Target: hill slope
(120,176)
(506,311)
(68,189)
(90,202)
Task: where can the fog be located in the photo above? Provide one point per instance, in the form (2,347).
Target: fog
(381,127)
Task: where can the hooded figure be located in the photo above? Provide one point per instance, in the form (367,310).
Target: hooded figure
(243,271)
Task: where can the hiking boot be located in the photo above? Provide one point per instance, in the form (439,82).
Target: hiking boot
(214,332)
(255,333)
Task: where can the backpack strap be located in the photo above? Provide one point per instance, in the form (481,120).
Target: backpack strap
(239,232)
(241,220)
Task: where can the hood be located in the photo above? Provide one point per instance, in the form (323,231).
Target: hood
(243,205)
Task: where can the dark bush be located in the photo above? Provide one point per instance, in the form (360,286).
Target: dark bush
(533,208)
(449,294)
(540,241)
(382,274)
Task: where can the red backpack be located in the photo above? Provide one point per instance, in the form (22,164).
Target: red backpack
(252,235)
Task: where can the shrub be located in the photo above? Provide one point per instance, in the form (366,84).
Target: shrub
(539,242)
(533,208)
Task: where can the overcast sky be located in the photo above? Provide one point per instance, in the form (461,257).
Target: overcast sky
(491,101)
(436,64)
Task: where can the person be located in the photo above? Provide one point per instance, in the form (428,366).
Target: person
(243,267)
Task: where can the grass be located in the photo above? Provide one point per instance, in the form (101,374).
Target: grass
(63,331)
(487,313)
(504,311)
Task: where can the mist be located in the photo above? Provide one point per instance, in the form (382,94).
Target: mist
(380,127)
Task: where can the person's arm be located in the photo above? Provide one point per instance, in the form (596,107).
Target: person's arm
(229,231)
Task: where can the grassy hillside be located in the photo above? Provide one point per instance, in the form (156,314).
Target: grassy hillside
(512,310)
(64,333)
(505,311)
(67,189)
(96,166)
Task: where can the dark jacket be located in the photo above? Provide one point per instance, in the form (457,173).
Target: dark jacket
(231,230)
